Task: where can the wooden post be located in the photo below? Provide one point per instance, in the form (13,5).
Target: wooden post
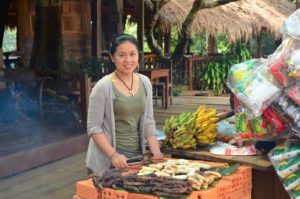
(211,44)
(168,42)
(259,46)
(96,28)
(140,30)
(85,89)
(3,17)
(190,73)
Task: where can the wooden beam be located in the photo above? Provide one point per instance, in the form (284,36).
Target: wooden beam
(96,28)
(140,29)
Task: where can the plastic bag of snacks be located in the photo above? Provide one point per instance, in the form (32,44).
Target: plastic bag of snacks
(247,81)
(292,109)
(254,128)
(291,25)
(293,64)
(281,153)
(286,161)
(295,193)
(294,93)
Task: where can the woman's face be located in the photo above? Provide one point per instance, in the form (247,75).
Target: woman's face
(126,58)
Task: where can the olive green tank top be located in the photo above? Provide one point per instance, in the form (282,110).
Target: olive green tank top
(127,111)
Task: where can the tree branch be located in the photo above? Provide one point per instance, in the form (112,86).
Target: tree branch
(216,3)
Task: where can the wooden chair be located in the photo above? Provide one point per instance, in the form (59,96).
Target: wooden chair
(158,85)
(153,62)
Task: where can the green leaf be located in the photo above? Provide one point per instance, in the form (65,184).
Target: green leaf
(226,171)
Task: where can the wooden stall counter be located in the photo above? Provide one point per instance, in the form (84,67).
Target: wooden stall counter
(265,181)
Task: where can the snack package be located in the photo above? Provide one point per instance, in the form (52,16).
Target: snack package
(279,70)
(274,119)
(287,167)
(294,93)
(295,193)
(292,181)
(258,94)
(293,64)
(291,25)
(290,108)
(258,127)
(286,161)
(240,75)
(241,124)
(281,153)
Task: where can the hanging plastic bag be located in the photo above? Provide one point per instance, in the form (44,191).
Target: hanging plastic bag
(291,25)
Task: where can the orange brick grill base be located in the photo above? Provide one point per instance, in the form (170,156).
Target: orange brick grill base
(236,186)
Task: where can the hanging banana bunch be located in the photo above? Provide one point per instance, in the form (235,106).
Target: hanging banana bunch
(180,131)
(205,125)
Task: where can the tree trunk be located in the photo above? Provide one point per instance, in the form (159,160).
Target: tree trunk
(3,17)
(259,50)
(185,32)
(115,20)
(47,51)
(186,26)
(150,26)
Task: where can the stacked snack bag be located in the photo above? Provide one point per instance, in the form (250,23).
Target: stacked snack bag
(286,160)
(268,92)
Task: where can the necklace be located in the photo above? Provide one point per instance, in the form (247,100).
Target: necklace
(130,89)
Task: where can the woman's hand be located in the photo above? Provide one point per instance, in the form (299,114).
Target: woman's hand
(119,161)
(157,156)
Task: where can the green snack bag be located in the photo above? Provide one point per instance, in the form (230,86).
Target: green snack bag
(259,127)
(241,124)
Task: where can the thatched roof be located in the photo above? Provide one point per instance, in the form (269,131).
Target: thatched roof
(238,19)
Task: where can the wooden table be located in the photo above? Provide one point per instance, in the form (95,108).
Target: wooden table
(265,182)
(159,73)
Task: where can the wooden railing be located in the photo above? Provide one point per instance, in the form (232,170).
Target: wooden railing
(196,64)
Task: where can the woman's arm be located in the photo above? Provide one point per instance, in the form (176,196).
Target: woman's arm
(96,111)
(118,160)
(154,147)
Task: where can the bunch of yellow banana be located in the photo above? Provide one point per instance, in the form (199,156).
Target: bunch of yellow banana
(180,131)
(205,124)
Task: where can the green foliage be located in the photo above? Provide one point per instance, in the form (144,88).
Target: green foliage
(223,44)
(268,44)
(198,43)
(10,40)
(174,38)
(215,74)
(95,68)
(131,28)
(177,90)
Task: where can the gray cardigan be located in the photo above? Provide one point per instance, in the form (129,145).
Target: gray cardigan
(101,120)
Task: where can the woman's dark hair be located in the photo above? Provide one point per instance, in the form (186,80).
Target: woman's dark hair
(119,39)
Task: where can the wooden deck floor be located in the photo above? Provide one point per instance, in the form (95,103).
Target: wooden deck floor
(56,180)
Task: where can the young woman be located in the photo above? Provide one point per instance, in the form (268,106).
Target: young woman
(120,114)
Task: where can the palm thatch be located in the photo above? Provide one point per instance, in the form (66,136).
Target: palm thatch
(238,19)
